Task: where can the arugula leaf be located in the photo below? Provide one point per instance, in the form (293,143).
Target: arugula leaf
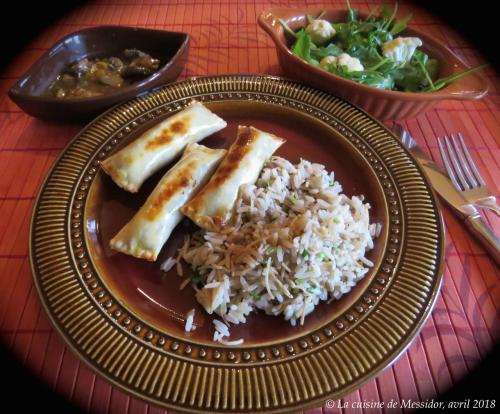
(391,17)
(352,14)
(400,25)
(363,39)
(417,74)
(319,53)
(432,66)
(352,35)
(320,16)
(378,37)
(386,12)
(408,78)
(287,28)
(375,79)
(421,59)
(368,55)
(302,47)
(386,65)
(372,12)
(365,27)
(418,55)
(443,82)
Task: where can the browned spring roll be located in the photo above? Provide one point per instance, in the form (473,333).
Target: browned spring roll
(212,207)
(149,229)
(161,144)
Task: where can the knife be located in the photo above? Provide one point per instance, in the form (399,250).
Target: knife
(467,212)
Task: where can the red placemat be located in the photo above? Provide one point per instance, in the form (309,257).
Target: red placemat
(225,38)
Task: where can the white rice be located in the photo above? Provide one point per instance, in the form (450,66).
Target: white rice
(232,343)
(168,264)
(296,240)
(189,321)
(184,283)
(221,331)
(179,268)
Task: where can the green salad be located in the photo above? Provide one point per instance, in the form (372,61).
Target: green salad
(371,51)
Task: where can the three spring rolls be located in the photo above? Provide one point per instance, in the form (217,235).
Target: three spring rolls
(212,207)
(146,233)
(158,146)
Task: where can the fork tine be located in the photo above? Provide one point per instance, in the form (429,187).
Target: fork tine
(472,164)
(463,162)
(456,165)
(448,166)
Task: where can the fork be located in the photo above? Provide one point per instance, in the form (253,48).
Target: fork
(464,174)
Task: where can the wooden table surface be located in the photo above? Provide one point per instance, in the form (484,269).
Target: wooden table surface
(464,325)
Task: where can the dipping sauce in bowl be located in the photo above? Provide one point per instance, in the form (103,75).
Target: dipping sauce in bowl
(95,77)
(148,59)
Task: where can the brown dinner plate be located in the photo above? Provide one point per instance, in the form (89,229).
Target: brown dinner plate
(125,317)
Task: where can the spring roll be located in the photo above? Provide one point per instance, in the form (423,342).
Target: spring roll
(149,229)
(212,207)
(158,146)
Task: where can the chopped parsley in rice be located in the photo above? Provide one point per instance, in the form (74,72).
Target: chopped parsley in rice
(296,240)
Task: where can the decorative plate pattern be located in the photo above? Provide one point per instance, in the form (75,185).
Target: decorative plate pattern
(277,377)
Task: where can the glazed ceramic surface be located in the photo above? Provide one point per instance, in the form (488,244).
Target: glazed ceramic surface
(125,317)
(30,91)
(383,104)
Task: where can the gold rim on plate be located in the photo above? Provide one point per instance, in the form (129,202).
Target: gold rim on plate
(279,377)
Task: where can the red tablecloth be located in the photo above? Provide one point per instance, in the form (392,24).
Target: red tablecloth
(225,38)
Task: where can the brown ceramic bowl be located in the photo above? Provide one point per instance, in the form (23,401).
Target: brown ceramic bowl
(383,104)
(30,92)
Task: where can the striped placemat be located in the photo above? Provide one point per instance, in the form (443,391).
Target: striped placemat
(226,39)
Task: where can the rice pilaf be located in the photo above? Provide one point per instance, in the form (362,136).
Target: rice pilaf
(295,240)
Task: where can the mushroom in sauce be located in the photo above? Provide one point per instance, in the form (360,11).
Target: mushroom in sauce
(95,77)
